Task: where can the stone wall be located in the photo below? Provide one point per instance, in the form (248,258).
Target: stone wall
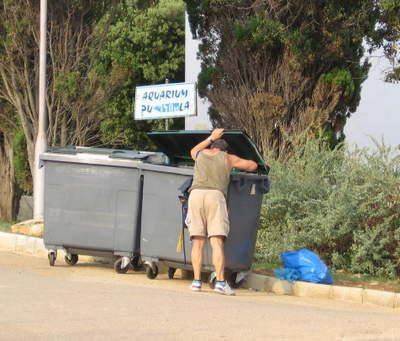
(25,211)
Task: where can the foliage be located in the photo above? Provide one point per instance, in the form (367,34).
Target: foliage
(73,92)
(5,226)
(284,69)
(145,45)
(388,36)
(21,165)
(343,205)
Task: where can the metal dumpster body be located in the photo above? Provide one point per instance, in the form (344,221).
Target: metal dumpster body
(92,203)
(161,226)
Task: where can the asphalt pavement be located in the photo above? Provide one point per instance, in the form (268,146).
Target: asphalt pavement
(89,301)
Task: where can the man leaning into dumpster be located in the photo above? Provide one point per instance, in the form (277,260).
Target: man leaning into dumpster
(207,209)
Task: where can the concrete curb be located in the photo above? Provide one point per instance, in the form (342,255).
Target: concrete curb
(20,243)
(35,246)
(303,289)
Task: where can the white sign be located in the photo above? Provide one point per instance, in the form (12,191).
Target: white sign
(165,101)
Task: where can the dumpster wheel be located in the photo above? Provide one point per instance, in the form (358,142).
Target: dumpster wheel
(232,280)
(52,258)
(71,260)
(151,271)
(171,273)
(136,263)
(118,268)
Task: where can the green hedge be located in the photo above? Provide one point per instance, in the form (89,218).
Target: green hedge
(21,165)
(5,226)
(343,205)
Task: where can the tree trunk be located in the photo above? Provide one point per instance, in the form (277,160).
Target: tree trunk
(9,195)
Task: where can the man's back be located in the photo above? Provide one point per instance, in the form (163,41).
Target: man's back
(211,171)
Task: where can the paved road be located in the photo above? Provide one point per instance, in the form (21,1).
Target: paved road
(91,302)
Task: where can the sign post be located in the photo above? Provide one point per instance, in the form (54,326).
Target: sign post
(167,119)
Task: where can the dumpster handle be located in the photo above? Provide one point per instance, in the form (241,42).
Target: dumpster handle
(240,184)
(183,200)
(265,185)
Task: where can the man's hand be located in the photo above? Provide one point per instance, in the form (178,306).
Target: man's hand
(217,134)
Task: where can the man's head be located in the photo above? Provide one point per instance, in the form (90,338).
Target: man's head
(220,144)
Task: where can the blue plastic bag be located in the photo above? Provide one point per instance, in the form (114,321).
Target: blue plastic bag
(309,266)
(287,274)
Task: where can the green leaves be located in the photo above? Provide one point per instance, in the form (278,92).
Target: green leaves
(308,53)
(21,165)
(148,43)
(145,45)
(341,78)
(259,32)
(68,83)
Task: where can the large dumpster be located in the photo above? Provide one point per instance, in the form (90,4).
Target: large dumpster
(163,236)
(93,204)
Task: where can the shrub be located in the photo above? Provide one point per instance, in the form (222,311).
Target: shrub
(343,204)
(21,165)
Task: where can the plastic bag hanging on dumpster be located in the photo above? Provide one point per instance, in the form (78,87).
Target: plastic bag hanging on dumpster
(183,196)
(308,266)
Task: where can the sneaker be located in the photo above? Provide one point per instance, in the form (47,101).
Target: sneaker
(223,288)
(196,285)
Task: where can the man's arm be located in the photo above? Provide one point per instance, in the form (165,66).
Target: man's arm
(242,164)
(215,135)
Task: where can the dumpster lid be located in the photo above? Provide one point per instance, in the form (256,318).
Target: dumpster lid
(176,144)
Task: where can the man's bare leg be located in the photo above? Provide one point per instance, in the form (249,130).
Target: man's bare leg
(197,255)
(218,256)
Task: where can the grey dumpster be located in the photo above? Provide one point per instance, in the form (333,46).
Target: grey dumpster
(163,238)
(92,204)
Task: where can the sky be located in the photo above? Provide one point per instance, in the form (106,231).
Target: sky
(378,114)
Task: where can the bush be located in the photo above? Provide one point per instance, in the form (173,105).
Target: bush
(343,205)
(21,165)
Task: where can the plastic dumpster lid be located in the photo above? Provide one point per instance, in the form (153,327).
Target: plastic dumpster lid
(129,154)
(111,153)
(176,144)
(73,150)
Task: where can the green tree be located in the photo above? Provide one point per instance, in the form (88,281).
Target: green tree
(9,191)
(388,36)
(74,94)
(284,71)
(145,45)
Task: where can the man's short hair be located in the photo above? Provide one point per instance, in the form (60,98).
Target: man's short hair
(221,144)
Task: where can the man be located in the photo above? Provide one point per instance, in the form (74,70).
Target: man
(207,211)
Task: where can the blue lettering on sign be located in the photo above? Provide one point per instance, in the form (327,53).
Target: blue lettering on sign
(147,108)
(168,107)
(170,94)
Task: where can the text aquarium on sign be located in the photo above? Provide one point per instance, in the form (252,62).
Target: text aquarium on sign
(165,101)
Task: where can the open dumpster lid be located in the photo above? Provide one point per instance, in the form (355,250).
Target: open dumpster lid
(176,144)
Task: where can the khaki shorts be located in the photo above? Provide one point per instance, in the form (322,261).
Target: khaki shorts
(207,213)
